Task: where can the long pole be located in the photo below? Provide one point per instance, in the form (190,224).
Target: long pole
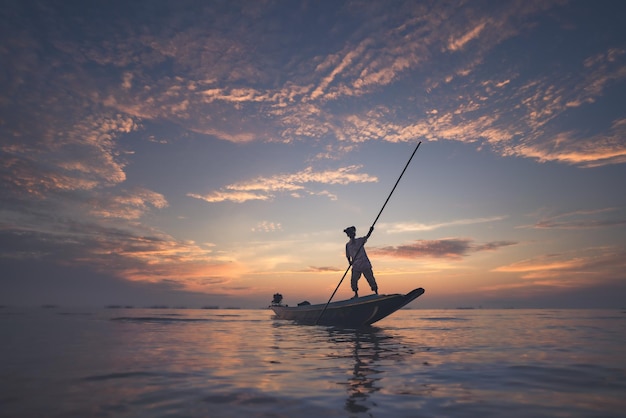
(372,227)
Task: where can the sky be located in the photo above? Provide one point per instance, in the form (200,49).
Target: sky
(192,153)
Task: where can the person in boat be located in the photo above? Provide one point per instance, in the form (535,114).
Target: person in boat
(357,257)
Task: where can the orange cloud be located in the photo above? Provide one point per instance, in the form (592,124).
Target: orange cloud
(413,227)
(126,204)
(263,188)
(458,43)
(585,266)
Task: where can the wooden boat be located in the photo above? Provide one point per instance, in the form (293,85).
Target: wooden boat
(351,313)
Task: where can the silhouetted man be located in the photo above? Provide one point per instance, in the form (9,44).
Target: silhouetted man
(357,257)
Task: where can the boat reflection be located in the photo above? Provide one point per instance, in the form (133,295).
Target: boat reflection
(358,362)
(368,348)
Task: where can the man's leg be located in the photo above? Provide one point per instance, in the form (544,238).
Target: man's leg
(369,275)
(354,282)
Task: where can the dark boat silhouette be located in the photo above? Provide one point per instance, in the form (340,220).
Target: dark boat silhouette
(350,313)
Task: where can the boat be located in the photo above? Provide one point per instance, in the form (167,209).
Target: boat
(350,313)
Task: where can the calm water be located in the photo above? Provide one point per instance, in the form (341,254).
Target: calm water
(231,363)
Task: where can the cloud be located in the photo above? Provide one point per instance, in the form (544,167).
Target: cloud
(120,252)
(29,283)
(223,85)
(264,188)
(570,148)
(586,266)
(450,248)
(266,226)
(493,245)
(319,269)
(458,43)
(345,62)
(581,220)
(233,196)
(126,204)
(413,227)
(220,88)
(82,157)
(581,224)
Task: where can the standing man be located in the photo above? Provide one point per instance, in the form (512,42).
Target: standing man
(357,257)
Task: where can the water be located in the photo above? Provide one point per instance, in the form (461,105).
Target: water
(232,363)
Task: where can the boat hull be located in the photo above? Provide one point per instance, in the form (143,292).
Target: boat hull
(351,313)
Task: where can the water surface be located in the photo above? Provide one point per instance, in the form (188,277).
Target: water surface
(229,363)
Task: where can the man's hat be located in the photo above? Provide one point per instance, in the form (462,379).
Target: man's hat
(348,229)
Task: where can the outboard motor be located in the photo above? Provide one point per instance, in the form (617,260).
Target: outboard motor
(278,298)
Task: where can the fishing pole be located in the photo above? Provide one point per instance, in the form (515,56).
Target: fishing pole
(370,231)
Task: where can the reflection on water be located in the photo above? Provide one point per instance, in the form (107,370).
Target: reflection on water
(328,358)
(366,352)
(358,359)
(198,363)
(362,383)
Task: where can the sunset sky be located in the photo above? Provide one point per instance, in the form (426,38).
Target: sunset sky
(196,153)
